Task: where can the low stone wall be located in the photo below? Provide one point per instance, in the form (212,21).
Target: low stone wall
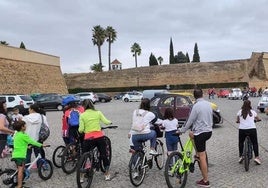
(245,70)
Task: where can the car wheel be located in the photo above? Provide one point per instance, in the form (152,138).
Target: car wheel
(59,107)
(126,99)
(261,110)
(103,100)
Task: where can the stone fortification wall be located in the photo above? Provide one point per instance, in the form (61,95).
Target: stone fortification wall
(24,71)
(246,70)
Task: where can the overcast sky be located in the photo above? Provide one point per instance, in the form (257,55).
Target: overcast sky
(223,30)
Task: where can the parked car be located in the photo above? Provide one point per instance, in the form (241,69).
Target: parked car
(50,102)
(119,96)
(223,93)
(14,100)
(88,95)
(78,99)
(235,93)
(263,103)
(132,96)
(150,93)
(181,104)
(103,97)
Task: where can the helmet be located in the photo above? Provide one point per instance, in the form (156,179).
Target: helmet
(67,100)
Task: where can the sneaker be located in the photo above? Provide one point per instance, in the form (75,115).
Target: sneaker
(241,159)
(257,161)
(201,183)
(107,177)
(153,152)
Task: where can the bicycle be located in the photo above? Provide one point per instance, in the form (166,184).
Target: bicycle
(90,162)
(178,164)
(71,155)
(140,162)
(248,150)
(57,155)
(44,166)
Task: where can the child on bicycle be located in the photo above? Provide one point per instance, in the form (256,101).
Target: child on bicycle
(21,142)
(170,124)
(246,117)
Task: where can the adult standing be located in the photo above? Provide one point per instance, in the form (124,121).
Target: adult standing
(33,124)
(246,117)
(200,122)
(4,123)
(89,124)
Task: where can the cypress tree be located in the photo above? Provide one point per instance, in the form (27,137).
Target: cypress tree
(196,57)
(22,45)
(171,53)
(187,57)
(152,60)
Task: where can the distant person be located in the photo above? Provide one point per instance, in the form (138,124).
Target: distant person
(246,117)
(16,116)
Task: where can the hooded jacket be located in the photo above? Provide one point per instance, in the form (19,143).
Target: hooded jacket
(33,124)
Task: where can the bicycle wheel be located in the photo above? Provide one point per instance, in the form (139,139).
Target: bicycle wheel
(108,152)
(70,157)
(8,176)
(246,154)
(160,158)
(137,168)
(172,175)
(56,157)
(84,172)
(45,169)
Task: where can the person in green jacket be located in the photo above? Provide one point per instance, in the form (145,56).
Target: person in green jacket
(21,142)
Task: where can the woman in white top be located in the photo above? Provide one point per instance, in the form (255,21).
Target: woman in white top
(33,125)
(246,118)
(146,133)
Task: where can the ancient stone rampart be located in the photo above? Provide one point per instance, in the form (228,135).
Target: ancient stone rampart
(24,71)
(252,70)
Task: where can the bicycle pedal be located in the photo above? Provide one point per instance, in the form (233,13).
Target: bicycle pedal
(191,168)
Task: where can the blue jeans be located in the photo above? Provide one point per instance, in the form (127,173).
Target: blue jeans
(137,139)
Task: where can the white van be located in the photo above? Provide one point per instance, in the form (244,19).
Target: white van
(150,93)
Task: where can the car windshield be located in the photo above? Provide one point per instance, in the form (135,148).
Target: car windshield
(26,98)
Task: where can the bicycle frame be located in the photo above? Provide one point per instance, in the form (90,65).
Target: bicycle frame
(186,152)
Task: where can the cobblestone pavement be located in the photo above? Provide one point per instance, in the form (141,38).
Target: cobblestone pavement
(224,169)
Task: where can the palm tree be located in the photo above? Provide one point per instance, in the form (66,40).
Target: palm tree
(96,67)
(136,50)
(98,39)
(4,43)
(160,60)
(111,37)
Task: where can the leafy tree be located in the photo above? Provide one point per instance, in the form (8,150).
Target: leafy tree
(152,60)
(180,58)
(96,67)
(136,50)
(22,45)
(196,57)
(171,53)
(110,38)
(4,43)
(187,57)
(160,60)
(98,38)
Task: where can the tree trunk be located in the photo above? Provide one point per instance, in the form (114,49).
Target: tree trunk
(136,60)
(99,50)
(109,55)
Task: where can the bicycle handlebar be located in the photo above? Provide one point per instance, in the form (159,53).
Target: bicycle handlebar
(109,127)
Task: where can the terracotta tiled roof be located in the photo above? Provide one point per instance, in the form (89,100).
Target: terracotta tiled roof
(116,62)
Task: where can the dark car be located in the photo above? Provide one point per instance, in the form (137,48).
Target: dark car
(104,97)
(119,96)
(50,102)
(180,104)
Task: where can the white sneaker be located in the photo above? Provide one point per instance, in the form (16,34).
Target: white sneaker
(153,152)
(107,177)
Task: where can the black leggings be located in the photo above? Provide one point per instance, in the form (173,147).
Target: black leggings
(252,133)
(101,145)
(3,142)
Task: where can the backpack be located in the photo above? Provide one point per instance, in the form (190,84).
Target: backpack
(44,131)
(137,124)
(73,119)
